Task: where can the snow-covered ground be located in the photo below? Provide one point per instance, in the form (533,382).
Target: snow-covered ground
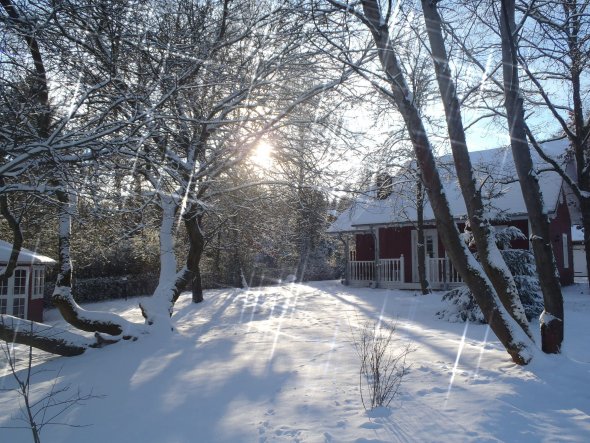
(277,364)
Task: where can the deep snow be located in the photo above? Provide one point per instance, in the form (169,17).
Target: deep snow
(277,364)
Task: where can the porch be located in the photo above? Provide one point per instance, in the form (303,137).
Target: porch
(390,273)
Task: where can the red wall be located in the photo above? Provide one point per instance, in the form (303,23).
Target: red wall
(561,224)
(365,247)
(395,242)
(35,310)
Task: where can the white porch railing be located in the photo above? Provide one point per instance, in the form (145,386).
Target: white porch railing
(362,270)
(391,270)
(441,270)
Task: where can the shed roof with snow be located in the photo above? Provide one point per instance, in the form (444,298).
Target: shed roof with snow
(26,257)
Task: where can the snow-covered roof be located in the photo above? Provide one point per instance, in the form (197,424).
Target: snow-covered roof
(25,256)
(495,174)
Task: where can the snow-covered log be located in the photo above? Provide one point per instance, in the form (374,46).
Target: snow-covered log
(38,335)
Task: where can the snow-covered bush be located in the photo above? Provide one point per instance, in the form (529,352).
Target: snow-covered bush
(462,307)
(521,263)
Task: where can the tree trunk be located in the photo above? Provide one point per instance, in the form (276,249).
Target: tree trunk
(421,247)
(41,95)
(160,305)
(62,297)
(579,142)
(40,85)
(376,258)
(500,322)
(237,270)
(345,240)
(217,258)
(552,317)
(17,236)
(304,247)
(48,338)
(192,221)
(483,232)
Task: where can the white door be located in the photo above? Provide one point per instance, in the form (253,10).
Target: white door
(14,294)
(431,243)
(580,261)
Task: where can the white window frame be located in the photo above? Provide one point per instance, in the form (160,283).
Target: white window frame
(38,282)
(566,255)
(9,296)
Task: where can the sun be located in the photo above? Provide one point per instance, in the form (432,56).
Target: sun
(262,155)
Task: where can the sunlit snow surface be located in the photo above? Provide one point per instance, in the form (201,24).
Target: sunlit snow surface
(277,364)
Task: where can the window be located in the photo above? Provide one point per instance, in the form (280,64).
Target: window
(429,240)
(4,295)
(18,307)
(38,283)
(14,294)
(20,282)
(566,255)
(4,288)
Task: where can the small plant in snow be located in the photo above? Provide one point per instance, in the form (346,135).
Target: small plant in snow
(46,409)
(382,364)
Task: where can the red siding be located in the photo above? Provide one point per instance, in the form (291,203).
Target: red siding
(561,224)
(365,247)
(35,310)
(35,307)
(395,242)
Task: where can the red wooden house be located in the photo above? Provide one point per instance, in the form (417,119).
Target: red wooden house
(22,295)
(383,227)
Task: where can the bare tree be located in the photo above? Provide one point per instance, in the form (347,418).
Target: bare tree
(376,20)
(552,317)
(483,232)
(164,109)
(552,45)
(45,410)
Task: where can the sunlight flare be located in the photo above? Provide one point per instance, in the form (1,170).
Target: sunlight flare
(481,351)
(262,155)
(454,372)
(280,323)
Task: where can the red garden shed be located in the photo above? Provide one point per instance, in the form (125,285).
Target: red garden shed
(22,295)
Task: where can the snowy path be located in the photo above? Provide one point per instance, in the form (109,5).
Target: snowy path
(277,364)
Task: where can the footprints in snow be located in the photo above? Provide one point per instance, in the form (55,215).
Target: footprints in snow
(440,378)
